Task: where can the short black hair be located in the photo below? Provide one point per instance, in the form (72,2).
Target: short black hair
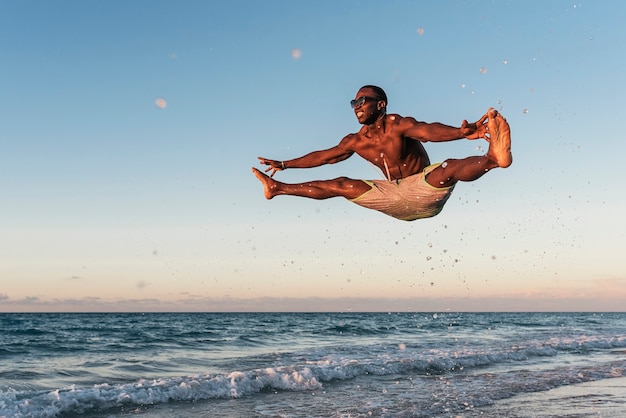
(380,93)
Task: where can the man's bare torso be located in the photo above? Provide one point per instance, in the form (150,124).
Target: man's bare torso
(384,143)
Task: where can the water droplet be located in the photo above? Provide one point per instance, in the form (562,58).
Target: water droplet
(160,103)
(483,70)
(525,111)
(296,53)
(420,31)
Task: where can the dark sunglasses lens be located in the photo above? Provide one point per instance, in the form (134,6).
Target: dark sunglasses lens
(358,102)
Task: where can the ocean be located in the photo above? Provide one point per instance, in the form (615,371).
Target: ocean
(312,364)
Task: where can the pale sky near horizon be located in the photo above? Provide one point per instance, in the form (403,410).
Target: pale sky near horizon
(128,129)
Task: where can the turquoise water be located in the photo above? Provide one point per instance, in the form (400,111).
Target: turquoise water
(281,364)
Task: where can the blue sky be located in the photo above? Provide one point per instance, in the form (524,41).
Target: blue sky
(111,202)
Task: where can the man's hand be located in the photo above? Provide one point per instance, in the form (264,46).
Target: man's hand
(477,129)
(273,165)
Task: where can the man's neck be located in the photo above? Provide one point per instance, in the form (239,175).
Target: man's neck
(377,126)
(379,123)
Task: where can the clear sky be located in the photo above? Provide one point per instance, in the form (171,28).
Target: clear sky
(128,129)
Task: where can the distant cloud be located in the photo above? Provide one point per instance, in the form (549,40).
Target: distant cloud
(316,304)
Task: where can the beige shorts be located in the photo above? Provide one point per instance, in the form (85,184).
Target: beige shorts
(406,199)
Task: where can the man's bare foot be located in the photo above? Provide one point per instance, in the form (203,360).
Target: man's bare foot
(269,184)
(499,139)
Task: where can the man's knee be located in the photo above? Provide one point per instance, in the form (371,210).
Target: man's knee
(344,180)
(352,188)
(442,175)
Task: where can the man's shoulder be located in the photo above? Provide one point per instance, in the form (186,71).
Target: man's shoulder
(353,135)
(350,139)
(403,123)
(395,118)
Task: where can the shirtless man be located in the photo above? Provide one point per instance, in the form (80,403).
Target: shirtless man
(414,188)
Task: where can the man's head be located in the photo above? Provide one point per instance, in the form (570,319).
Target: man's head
(369,104)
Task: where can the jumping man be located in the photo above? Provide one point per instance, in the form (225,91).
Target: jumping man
(413,188)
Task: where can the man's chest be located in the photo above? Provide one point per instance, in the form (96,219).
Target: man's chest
(380,145)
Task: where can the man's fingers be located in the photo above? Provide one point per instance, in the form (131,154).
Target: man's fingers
(271,166)
(272,169)
(483,118)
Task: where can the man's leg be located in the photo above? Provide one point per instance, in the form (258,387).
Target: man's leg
(319,189)
(472,168)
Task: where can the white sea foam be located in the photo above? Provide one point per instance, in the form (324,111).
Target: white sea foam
(313,375)
(434,362)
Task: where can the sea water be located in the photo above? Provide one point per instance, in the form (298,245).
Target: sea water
(297,364)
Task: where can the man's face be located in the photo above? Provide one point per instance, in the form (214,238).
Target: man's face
(365,106)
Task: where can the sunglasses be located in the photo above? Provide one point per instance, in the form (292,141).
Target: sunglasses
(361,101)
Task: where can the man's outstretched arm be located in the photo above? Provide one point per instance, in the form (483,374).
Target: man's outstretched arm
(438,132)
(313,159)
